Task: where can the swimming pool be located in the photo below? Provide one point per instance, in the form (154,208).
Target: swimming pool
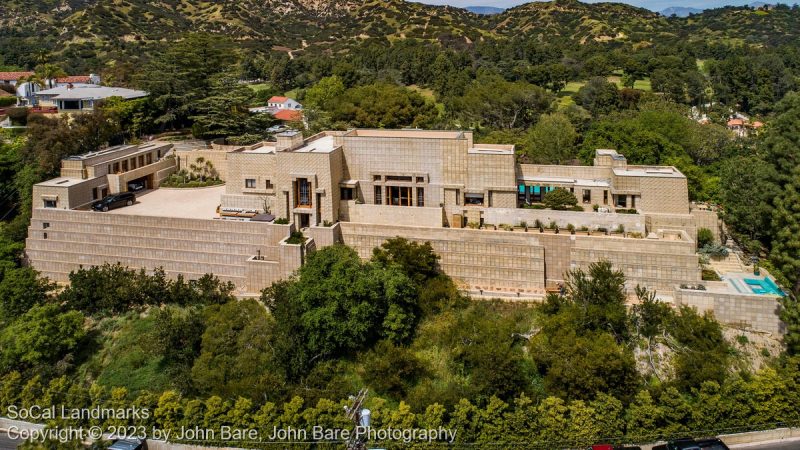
(763,286)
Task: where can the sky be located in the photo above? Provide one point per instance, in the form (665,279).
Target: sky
(655,5)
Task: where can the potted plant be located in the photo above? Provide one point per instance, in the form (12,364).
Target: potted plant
(571,228)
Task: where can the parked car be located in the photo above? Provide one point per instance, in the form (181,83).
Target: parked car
(115,201)
(134,186)
(693,444)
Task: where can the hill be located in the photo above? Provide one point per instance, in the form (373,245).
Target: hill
(91,33)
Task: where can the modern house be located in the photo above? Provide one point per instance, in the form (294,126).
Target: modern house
(81,98)
(279,103)
(481,211)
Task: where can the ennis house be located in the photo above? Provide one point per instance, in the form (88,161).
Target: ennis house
(479,209)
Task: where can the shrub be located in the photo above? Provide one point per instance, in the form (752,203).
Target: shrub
(595,207)
(327,223)
(296,238)
(577,208)
(571,228)
(281,221)
(714,250)
(473,225)
(553,225)
(560,198)
(710,275)
(626,211)
(8,101)
(620,229)
(704,237)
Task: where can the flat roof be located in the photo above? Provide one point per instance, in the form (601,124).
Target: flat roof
(323,144)
(90,92)
(265,147)
(566,180)
(61,182)
(492,149)
(661,172)
(408,133)
(199,203)
(109,151)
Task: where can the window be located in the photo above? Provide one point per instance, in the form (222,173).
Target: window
(346,193)
(268,184)
(587,196)
(149,158)
(250,183)
(420,196)
(473,199)
(44,235)
(605,197)
(378,195)
(398,195)
(622,201)
(46,225)
(141,160)
(125,165)
(420,179)
(396,178)
(109,169)
(49,203)
(133,163)
(116,167)
(94,193)
(303,194)
(376,178)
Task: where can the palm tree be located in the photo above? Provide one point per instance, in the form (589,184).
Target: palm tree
(45,75)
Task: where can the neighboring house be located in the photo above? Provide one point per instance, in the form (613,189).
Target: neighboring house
(12,78)
(284,103)
(742,127)
(77,98)
(286,115)
(26,91)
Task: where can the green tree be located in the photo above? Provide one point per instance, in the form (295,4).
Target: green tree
(336,306)
(381,105)
(559,198)
(492,102)
(321,94)
(225,112)
(786,236)
(20,290)
(41,336)
(551,140)
(236,355)
(418,261)
(392,370)
(598,96)
(748,189)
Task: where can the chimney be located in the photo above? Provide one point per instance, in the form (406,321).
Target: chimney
(288,140)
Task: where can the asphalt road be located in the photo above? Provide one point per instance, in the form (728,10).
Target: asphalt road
(790,445)
(7,443)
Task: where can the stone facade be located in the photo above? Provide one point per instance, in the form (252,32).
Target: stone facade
(362,187)
(92,176)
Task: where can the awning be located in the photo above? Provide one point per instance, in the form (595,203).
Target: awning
(348,183)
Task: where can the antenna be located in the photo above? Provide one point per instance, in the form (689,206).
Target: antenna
(360,418)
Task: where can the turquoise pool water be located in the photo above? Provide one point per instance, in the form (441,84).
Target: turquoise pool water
(763,286)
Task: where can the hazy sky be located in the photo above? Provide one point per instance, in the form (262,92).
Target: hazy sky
(655,5)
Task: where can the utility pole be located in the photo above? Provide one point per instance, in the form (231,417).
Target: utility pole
(360,418)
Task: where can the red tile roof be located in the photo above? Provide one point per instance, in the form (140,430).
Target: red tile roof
(277,99)
(288,115)
(13,76)
(75,79)
(735,122)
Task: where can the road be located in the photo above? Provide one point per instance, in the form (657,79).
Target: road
(778,445)
(7,443)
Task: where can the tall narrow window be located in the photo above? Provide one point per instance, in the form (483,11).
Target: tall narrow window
(420,196)
(605,197)
(622,201)
(303,192)
(587,196)
(378,195)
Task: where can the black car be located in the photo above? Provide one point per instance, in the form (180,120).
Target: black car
(115,201)
(693,444)
(134,186)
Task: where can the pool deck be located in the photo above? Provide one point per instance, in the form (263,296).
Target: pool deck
(738,282)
